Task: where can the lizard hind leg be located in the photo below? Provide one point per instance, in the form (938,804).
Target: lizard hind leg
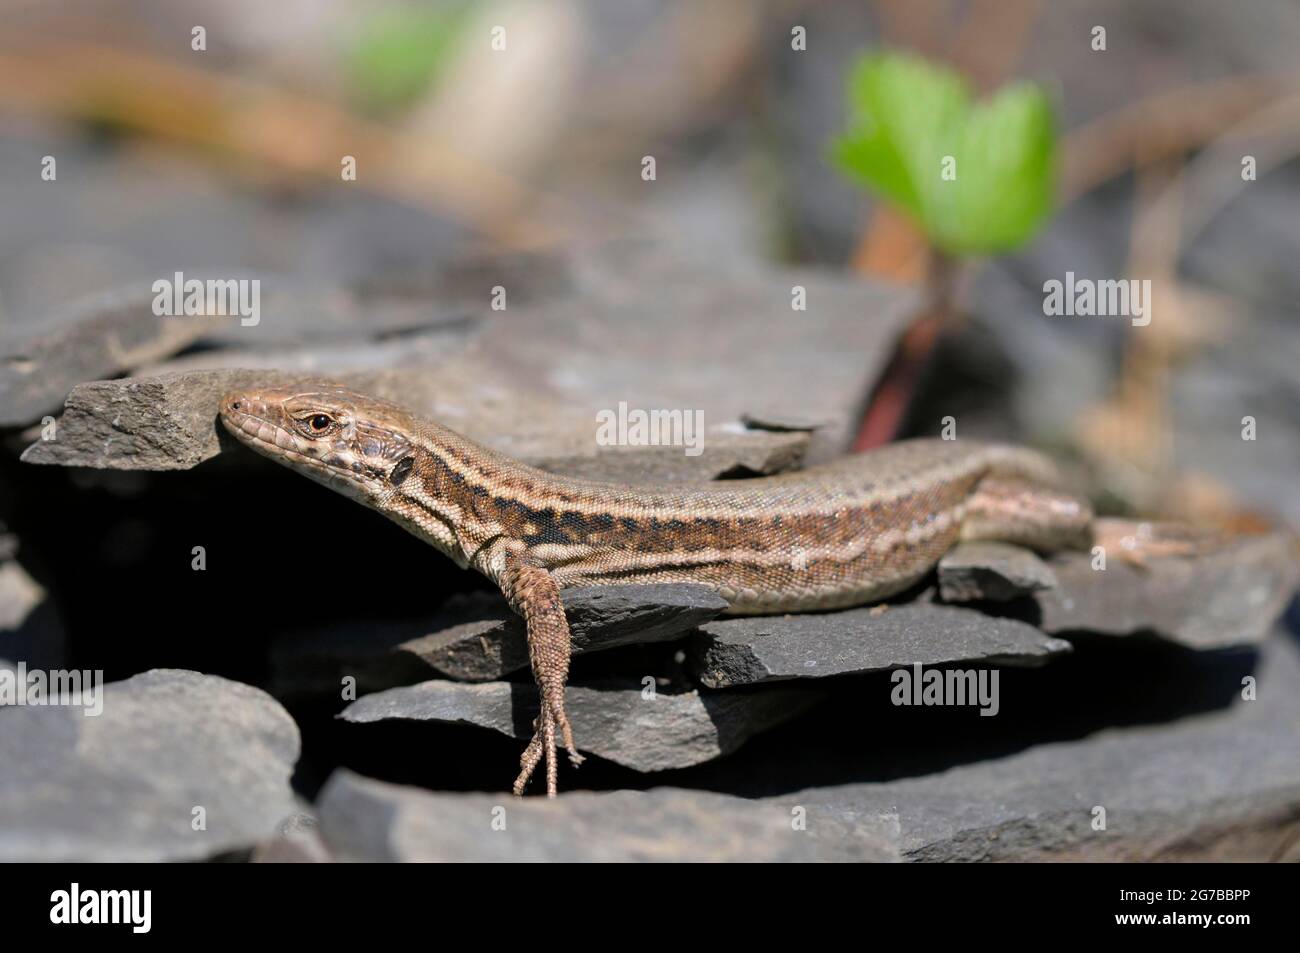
(1012,509)
(532,592)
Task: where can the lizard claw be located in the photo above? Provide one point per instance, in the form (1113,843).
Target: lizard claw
(543,745)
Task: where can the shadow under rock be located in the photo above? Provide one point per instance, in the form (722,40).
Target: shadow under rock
(859,735)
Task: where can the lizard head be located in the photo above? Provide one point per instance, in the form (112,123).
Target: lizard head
(352,443)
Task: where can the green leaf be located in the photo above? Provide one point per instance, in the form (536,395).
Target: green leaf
(906,117)
(398,51)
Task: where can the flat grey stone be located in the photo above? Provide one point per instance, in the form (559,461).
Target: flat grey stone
(1224,598)
(476,637)
(725,454)
(997,572)
(116,331)
(124,785)
(169,422)
(100,337)
(771,648)
(1219,786)
(620,724)
(1222,786)
(368,820)
(643,329)
(659,332)
(158,423)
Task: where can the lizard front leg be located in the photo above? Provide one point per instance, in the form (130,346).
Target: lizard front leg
(532,592)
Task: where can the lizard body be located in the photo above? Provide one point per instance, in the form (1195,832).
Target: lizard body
(846,533)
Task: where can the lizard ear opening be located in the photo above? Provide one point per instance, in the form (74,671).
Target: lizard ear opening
(401,470)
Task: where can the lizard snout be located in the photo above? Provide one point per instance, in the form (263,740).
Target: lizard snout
(246,412)
(238,404)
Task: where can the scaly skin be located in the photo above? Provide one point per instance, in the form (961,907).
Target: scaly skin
(843,534)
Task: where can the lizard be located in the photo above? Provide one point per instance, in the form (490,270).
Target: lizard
(849,532)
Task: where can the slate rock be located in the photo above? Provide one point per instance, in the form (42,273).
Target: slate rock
(116,331)
(619,724)
(726,453)
(123,785)
(159,423)
(770,648)
(657,331)
(1222,786)
(996,572)
(102,336)
(641,328)
(1228,597)
(476,637)
(169,422)
(1218,786)
(368,820)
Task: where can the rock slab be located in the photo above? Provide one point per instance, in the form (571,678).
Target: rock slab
(1218,786)
(478,638)
(771,648)
(996,572)
(1222,786)
(645,731)
(372,821)
(1214,600)
(129,784)
(639,327)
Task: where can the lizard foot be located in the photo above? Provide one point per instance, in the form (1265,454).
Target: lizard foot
(1138,541)
(543,744)
(534,594)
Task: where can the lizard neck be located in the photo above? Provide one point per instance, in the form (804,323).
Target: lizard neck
(454,495)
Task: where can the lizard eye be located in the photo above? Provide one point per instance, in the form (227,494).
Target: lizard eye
(315,425)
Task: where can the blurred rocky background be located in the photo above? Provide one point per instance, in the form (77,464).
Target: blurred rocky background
(521,168)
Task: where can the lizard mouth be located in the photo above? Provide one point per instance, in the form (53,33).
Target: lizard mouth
(260,424)
(251,420)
